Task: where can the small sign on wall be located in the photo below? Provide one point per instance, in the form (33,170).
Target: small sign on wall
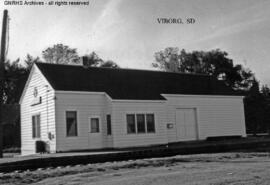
(169,125)
(50,136)
(37,99)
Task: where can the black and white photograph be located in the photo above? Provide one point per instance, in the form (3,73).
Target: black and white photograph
(135,92)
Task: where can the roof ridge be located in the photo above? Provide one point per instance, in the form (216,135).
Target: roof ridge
(126,69)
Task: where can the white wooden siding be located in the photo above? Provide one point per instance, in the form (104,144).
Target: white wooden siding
(120,136)
(108,110)
(216,115)
(36,79)
(87,105)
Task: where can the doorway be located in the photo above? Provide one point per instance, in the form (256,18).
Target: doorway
(186,124)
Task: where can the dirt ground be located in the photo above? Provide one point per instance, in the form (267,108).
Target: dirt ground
(214,169)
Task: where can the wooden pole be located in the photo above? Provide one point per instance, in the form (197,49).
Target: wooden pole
(2,65)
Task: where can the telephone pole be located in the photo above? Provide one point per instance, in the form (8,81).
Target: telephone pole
(2,65)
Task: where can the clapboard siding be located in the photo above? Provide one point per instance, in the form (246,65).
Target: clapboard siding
(46,110)
(216,115)
(120,136)
(87,105)
(108,110)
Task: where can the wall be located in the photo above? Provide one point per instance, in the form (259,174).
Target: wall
(87,105)
(108,110)
(119,124)
(45,109)
(216,115)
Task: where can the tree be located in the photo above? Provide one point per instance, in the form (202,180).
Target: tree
(93,60)
(109,64)
(215,63)
(256,110)
(61,54)
(16,75)
(168,60)
(265,91)
(30,60)
(15,78)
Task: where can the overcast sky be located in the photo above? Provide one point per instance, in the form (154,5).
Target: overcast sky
(127,31)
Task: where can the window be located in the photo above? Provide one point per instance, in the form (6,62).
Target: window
(150,121)
(141,123)
(109,125)
(36,126)
(71,120)
(94,125)
(131,128)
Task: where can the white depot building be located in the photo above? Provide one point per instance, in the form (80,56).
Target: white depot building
(79,108)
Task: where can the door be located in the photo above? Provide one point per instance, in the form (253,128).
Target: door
(186,126)
(95,139)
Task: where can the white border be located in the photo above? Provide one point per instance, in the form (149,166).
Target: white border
(89,125)
(77,120)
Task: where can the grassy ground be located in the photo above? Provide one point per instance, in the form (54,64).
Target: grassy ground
(219,169)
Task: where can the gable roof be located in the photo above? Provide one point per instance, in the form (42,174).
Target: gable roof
(130,84)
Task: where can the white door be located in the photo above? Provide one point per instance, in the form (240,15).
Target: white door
(94,133)
(186,127)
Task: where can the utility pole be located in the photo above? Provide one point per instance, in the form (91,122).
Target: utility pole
(2,65)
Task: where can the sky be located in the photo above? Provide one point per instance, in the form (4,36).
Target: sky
(128,31)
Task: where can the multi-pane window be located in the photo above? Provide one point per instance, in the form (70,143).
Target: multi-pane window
(109,125)
(140,123)
(131,128)
(36,126)
(94,124)
(71,121)
(150,123)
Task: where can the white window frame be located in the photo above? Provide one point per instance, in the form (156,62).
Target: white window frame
(90,124)
(134,121)
(77,121)
(145,122)
(154,123)
(34,115)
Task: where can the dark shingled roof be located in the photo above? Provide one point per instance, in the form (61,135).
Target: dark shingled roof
(129,83)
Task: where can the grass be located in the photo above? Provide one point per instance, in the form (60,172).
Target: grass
(193,147)
(114,168)
(243,159)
